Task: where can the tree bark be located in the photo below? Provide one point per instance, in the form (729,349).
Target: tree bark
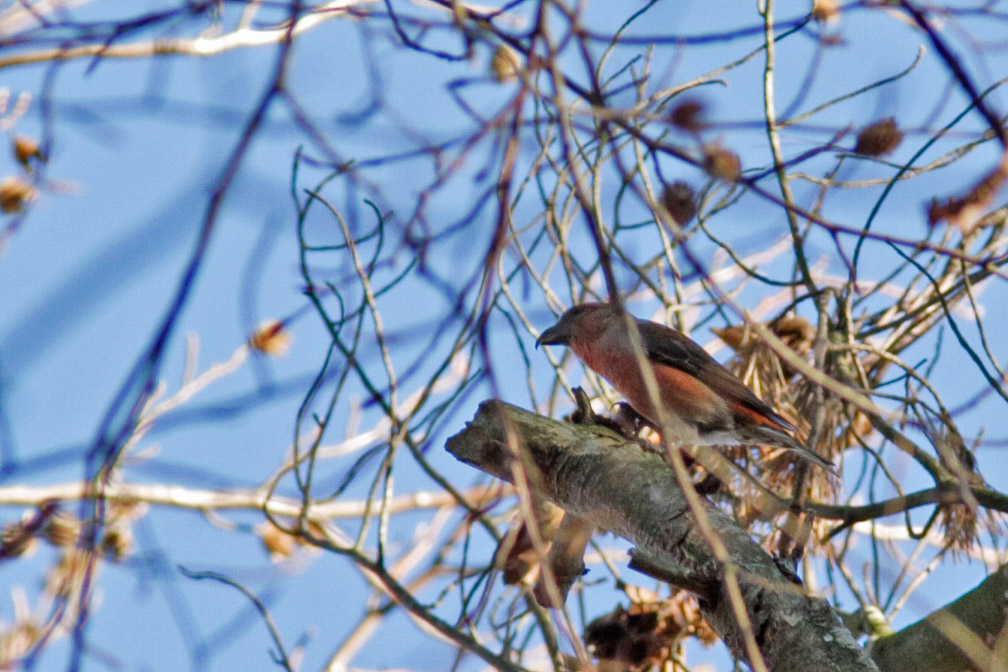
(616,485)
(968,634)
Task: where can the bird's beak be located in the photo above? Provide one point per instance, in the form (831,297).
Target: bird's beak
(555,335)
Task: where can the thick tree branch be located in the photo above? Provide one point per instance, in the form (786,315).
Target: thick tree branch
(965,635)
(612,483)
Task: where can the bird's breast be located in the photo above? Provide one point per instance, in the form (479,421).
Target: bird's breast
(685,401)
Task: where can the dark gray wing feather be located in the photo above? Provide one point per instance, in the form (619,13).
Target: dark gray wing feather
(671,348)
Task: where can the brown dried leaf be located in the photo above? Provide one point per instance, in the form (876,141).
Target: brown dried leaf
(966,211)
(516,555)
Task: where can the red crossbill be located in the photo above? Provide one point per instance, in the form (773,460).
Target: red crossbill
(702,402)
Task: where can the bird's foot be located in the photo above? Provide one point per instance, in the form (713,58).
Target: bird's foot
(629,421)
(626,422)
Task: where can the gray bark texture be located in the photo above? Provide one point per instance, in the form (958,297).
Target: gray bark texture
(616,485)
(968,634)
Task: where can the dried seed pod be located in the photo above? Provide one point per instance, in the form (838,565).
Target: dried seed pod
(16,539)
(689,116)
(277,542)
(117,543)
(271,338)
(504,64)
(879,139)
(735,337)
(826,11)
(796,331)
(15,192)
(860,427)
(65,574)
(680,201)
(722,163)
(18,639)
(62,529)
(26,149)
(646,635)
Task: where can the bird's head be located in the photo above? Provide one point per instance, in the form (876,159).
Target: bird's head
(581,321)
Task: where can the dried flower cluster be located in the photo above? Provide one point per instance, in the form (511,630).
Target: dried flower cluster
(647,635)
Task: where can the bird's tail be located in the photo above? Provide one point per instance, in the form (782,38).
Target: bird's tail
(775,437)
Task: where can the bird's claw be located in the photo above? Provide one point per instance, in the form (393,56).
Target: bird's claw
(626,422)
(629,421)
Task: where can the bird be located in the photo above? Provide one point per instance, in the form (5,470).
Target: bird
(702,402)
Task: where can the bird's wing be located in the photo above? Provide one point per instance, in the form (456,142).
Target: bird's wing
(667,346)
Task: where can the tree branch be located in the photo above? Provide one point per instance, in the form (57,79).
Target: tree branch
(612,483)
(958,636)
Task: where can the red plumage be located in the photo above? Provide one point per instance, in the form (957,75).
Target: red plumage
(701,401)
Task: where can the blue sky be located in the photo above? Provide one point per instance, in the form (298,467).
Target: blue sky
(137,146)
